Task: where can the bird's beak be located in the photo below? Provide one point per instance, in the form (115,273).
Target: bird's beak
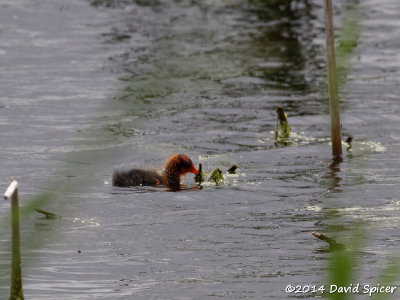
(193,170)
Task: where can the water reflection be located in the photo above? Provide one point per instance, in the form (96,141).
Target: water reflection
(276,50)
(286,39)
(334,178)
(154,189)
(119,3)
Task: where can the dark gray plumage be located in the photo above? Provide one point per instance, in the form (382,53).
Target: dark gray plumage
(135,177)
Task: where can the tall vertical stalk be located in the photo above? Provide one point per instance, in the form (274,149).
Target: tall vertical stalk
(16,292)
(332,82)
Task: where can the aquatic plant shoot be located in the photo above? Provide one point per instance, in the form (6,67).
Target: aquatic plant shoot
(283,123)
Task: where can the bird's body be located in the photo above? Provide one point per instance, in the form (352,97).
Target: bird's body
(134,177)
(176,166)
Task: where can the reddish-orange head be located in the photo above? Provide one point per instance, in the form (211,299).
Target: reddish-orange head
(180,164)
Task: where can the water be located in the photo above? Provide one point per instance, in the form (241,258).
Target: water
(90,86)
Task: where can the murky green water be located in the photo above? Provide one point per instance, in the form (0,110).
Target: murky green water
(90,86)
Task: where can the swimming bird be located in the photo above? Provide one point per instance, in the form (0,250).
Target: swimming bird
(175,167)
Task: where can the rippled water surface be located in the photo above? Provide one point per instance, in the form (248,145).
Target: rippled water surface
(91,86)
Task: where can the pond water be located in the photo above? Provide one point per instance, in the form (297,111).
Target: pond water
(92,86)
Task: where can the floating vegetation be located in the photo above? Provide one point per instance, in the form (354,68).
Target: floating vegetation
(216,176)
